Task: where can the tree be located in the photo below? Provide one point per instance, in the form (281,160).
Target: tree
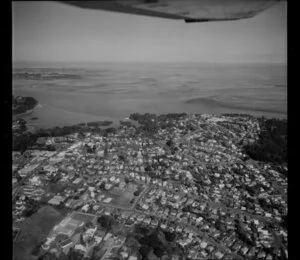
(243,235)
(106,221)
(170,237)
(63,256)
(102,185)
(148,168)
(109,130)
(284,222)
(272,143)
(36,249)
(32,207)
(19,178)
(81,239)
(170,143)
(75,255)
(158,251)
(122,157)
(48,256)
(158,200)
(136,193)
(144,250)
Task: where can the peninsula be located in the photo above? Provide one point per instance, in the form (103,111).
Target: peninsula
(23,104)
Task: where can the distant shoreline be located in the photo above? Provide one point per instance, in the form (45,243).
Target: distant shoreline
(211,101)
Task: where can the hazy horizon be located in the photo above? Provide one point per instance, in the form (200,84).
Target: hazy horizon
(86,64)
(55,32)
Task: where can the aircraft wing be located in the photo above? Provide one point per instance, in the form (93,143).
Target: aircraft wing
(187,10)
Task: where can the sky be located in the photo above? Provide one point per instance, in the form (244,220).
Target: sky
(55,32)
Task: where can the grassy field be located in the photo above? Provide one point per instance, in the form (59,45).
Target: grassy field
(34,230)
(57,187)
(122,197)
(82,217)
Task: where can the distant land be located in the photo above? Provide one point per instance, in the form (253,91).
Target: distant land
(236,105)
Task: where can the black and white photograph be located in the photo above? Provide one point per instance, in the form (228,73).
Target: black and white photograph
(149,130)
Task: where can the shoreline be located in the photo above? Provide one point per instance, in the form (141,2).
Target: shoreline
(237,106)
(28,112)
(115,123)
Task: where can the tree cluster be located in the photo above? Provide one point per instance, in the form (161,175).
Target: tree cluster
(237,115)
(125,123)
(22,104)
(269,206)
(25,140)
(243,235)
(137,192)
(156,240)
(106,222)
(32,206)
(99,123)
(272,143)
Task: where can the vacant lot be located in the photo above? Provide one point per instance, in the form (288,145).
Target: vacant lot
(34,230)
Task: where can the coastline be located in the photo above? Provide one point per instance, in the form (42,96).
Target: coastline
(28,112)
(241,106)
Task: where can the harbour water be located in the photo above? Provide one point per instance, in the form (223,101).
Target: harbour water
(75,93)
